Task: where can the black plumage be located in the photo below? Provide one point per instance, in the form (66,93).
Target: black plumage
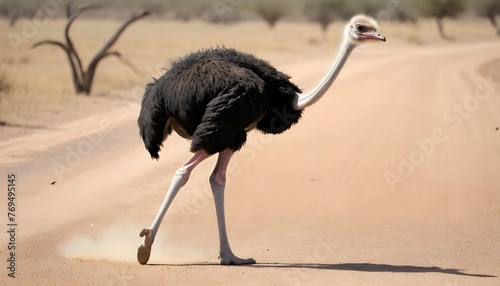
(213,97)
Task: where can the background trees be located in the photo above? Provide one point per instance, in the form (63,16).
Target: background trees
(489,9)
(325,12)
(320,12)
(441,9)
(270,11)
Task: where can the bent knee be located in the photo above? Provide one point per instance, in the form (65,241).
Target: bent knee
(218,178)
(183,174)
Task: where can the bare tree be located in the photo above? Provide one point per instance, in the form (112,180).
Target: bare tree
(82,79)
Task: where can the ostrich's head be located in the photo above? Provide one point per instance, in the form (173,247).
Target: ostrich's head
(361,29)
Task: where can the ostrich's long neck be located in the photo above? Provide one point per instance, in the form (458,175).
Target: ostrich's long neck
(302,101)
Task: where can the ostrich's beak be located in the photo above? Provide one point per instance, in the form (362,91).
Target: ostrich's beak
(373,36)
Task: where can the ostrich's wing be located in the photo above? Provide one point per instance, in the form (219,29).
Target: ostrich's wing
(278,88)
(228,115)
(152,120)
(281,115)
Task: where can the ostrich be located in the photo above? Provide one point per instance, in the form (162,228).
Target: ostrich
(214,97)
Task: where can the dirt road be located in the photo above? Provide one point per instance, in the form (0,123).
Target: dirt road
(392,179)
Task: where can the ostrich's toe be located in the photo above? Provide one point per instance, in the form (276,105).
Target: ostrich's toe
(144,250)
(234,260)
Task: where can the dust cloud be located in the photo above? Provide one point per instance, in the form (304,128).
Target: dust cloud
(119,243)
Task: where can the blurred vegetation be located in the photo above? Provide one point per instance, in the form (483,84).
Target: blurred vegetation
(322,12)
(489,9)
(5,82)
(404,11)
(325,12)
(270,11)
(441,9)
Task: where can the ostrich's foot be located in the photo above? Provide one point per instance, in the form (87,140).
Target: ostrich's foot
(144,250)
(231,259)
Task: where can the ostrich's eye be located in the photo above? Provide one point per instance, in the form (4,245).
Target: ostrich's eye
(360,28)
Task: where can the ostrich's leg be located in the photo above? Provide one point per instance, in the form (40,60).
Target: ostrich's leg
(180,179)
(218,183)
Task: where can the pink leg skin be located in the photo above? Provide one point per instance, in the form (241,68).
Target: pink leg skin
(218,183)
(180,179)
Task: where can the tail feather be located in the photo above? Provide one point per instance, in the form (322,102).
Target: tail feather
(152,120)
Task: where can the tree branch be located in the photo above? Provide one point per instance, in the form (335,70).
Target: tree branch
(122,59)
(113,53)
(128,63)
(50,42)
(71,47)
(82,79)
(103,52)
(75,78)
(88,77)
(117,34)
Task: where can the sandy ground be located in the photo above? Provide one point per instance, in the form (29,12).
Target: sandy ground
(392,179)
